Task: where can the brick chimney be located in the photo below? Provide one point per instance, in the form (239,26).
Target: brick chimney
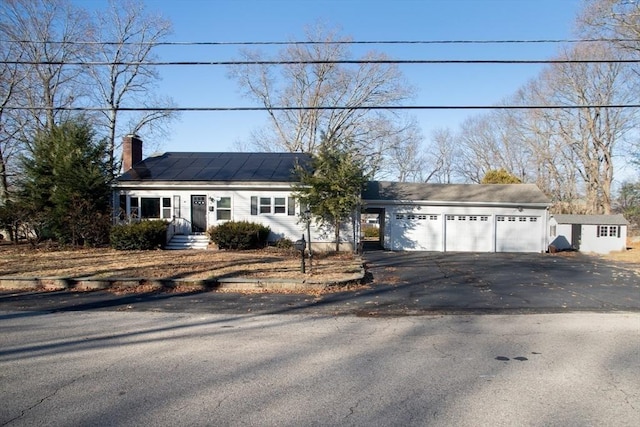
(131,151)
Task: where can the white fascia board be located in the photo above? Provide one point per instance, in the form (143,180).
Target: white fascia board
(450,203)
(184,185)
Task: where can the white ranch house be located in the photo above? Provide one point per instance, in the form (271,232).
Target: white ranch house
(195,191)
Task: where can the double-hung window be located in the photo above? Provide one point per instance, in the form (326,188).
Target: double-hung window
(261,205)
(223,209)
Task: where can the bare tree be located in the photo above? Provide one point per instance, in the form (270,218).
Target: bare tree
(126,37)
(441,157)
(592,134)
(311,80)
(10,81)
(46,32)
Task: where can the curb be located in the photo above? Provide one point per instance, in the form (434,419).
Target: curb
(9,283)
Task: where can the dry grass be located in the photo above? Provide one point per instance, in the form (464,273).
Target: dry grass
(25,261)
(631,255)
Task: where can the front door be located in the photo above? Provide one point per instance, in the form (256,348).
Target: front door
(198,214)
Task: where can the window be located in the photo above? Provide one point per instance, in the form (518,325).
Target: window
(433,217)
(223,209)
(533,219)
(450,217)
(399,216)
(462,218)
(411,216)
(522,219)
(265,205)
(280,205)
(166,207)
(512,218)
(611,231)
(149,207)
(602,230)
(500,218)
(473,218)
(122,207)
(176,206)
(134,207)
(552,231)
(484,218)
(275,205)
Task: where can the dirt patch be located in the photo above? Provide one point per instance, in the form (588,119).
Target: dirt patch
(26,261)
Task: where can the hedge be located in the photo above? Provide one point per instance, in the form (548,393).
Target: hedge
(143,235)
(239,235)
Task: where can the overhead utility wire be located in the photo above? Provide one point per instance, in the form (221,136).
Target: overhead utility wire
(336,42)
(380,107)
(346,61)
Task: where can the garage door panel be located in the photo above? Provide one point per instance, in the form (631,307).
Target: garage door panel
(468,233)
(518,233)
(417,232)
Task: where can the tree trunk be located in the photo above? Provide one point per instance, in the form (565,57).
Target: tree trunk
(337,235)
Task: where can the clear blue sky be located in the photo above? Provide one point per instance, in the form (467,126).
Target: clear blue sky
(281,20)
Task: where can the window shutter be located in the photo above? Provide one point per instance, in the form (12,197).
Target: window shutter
(291,206)
(254,205)
(619,231)
(597,231)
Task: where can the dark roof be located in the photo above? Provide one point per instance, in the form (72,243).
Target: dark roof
(254,167)
(464,193)
(591,219)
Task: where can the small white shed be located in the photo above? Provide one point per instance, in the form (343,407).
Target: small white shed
(588,233)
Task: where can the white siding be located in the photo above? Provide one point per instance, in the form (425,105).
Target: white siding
(590,239)
(469,228)
(282,225)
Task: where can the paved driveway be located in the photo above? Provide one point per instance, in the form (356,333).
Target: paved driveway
(402,283)
(494,282)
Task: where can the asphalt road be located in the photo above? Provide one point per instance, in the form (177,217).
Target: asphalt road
(402,283)
(175,369)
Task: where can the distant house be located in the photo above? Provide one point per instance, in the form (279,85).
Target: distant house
(459,217)
(195,191)
(588,233)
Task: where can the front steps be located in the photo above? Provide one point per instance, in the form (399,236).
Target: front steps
(188,241)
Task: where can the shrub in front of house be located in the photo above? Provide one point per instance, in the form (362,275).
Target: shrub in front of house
(239,235)
(143,235)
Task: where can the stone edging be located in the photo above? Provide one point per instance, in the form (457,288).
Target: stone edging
(232,283)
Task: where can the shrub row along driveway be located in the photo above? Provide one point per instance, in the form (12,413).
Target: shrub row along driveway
(405,284)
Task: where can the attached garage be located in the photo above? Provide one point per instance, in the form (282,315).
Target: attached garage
(460,217)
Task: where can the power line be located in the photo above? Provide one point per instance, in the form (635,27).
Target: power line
(318,62)
(336,42)
(379,107)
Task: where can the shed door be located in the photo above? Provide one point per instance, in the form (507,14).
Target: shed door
(468,233)
(198,214)
(518,233)
(576,236)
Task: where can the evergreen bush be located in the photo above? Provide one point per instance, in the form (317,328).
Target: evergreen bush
(240,235)
(143,235)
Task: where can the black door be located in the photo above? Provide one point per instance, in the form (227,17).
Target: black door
(576,236)
(198,214)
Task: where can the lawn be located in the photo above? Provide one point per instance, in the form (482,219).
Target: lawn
(26,261)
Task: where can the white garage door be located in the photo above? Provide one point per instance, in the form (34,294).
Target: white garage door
(518,233)
(468,233)
(416,232)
